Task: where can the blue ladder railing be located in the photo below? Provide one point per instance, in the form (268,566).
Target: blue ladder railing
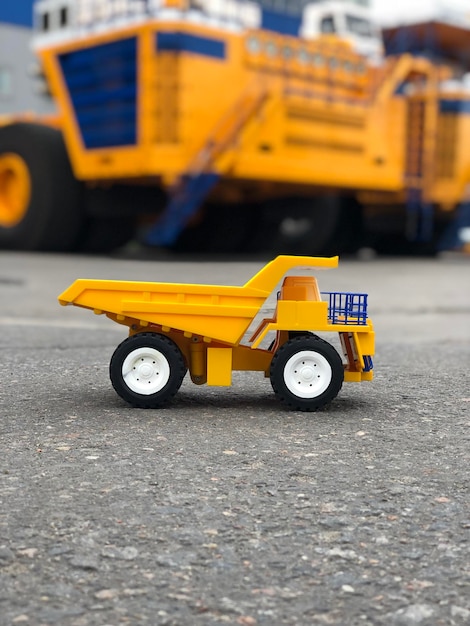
(346,308)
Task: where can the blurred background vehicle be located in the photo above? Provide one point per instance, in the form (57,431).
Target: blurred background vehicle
(237,125)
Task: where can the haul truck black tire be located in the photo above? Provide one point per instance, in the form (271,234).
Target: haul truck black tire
(147,370)
(103,235)
(306,373)
(40,200)
(111,215)
(295,225)
(218,228)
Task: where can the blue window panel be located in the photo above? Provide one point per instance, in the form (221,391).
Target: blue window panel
(19,12)
(106,76)
(454,106)
(106,97)
(102,83)
(184,42)
(99,138)
(116,50)
(107,116)
(281,23)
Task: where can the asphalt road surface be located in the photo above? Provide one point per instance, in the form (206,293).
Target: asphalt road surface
(225,508)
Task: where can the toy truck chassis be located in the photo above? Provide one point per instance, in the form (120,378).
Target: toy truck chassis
(178,327)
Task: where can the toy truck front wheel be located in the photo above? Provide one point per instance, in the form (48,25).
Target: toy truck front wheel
(306,373)
(147,370)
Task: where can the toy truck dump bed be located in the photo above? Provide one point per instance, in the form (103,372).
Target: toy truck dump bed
(215,311)
(175,327)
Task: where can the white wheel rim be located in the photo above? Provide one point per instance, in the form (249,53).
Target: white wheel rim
(145,371)
(307,374)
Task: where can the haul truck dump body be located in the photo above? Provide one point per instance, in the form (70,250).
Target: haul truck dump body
(174,327)
(229,112)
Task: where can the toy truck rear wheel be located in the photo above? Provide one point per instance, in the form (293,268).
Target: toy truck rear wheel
(40,200)
(306,373)
(147,370)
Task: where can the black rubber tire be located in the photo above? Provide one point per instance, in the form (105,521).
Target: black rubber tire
(170,357)
(386,232)
(297,226)
(105,234)
(332,373)
(54,216)
(112,215)
(218,229)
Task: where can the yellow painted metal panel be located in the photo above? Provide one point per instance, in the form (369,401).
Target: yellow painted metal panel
(293,315)
(320,124)
(366,342)
(245,358)
(219,367)
(327,118)
(352,377)
(268,277)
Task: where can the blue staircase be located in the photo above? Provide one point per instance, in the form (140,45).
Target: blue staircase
(187,197)
(190,192)
(419,211)
(420,217)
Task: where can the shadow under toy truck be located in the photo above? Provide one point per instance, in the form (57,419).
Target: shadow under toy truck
(174,328)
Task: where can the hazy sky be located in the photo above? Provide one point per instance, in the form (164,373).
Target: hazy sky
(408,10)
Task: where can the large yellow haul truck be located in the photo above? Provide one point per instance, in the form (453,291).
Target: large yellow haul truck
(273,123)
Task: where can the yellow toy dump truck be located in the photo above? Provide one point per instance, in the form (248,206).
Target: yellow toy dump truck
(176,327)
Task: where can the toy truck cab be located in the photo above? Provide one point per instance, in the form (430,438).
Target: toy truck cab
(201,328)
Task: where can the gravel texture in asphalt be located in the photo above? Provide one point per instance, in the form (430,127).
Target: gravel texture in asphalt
(225,508)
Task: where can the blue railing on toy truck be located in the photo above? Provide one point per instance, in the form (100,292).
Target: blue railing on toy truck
(346,308)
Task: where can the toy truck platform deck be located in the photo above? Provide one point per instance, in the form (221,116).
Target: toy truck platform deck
(176,327)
